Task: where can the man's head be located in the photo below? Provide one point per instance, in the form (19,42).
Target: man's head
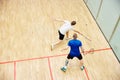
(73,23)
(74,36)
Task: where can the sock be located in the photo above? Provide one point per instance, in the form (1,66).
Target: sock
(65,67)
(82,67)
(66,63)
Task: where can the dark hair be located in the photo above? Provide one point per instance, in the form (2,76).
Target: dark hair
(74,36)
(73,22)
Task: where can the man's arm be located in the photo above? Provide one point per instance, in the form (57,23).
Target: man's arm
(59,20)
(82,50)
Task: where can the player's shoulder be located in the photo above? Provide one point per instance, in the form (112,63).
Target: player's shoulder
(79,41)
(71,41)
(74,40)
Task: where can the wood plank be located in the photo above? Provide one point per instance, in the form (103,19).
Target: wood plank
(27,29)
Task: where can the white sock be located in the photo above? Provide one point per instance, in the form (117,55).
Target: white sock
(65,67)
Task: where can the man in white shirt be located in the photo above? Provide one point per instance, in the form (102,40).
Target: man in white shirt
(64,29)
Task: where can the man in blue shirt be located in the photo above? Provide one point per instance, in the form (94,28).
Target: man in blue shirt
(75,46)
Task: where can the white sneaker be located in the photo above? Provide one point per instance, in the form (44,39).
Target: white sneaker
(52,46)
(63,69)
(82,67)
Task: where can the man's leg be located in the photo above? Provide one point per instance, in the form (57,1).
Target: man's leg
(61,37)
(64,68)
(82,64)
(56,43)
(66,62)
(67,36)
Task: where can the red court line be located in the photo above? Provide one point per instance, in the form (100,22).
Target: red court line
(32,59)
(14,70)
(88,78)
(97,50)
(102,49)
(50,69)
(48,56)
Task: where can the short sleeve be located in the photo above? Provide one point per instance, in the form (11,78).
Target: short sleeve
(69,43)
(80,44)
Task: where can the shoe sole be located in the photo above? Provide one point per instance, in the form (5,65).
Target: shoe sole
(63,70)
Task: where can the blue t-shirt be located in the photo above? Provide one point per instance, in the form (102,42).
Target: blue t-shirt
(74,45)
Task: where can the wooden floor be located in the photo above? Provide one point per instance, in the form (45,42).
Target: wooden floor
(27,29)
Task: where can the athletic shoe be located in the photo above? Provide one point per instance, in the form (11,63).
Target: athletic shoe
(63,69)
(82,67)
(52,46)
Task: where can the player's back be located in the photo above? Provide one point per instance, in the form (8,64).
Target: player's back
(74,45)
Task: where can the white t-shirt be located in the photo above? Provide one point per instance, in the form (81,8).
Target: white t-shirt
(65,27)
